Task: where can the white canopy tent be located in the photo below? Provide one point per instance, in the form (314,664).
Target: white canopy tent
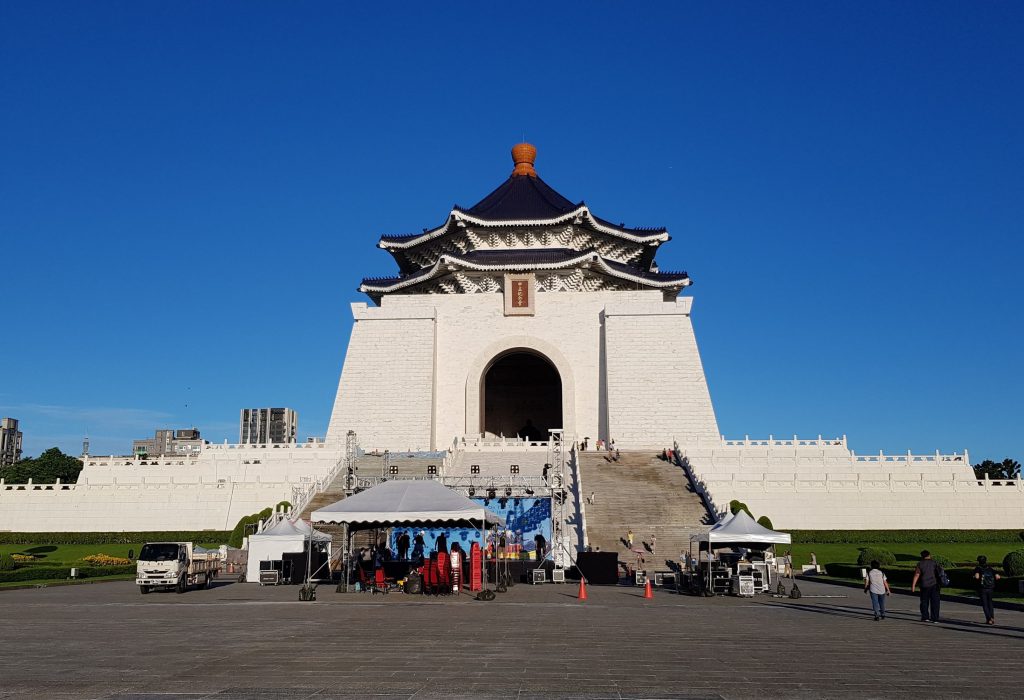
(740,530)
(286,537)
(406,501)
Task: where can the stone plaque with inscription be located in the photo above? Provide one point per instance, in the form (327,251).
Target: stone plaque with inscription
(519,294)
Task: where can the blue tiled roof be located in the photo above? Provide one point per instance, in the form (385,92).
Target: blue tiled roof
(521,197)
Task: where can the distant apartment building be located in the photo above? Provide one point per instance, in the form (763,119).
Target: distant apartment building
(10,442)
(169,443)
(262,426)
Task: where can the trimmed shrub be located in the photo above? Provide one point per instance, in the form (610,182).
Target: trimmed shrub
(945,562)
(1013,563)
(51,573)
(106,560)
(736,506)
(239,533)
(113,537)
(903,536)
(7,563)
(869,554)
(765,521)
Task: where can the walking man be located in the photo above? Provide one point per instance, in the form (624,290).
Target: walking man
(654,543)
(590,499)
(877,585)
(986,577)
(629,537)
(927,574)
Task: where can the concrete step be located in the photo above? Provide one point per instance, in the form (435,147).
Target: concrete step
(642,492)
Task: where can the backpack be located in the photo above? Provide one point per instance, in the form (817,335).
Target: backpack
(940,576)
(988,578)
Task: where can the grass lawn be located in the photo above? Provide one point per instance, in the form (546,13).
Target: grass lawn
(71,553)
(906,554)
(68,553)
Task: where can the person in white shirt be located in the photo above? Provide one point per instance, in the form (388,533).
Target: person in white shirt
(876,584)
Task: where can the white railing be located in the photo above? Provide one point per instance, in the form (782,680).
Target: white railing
(267,446)
(783,442)
(303,497)
(484,443)
(147,481)
(734,453)
(832,482)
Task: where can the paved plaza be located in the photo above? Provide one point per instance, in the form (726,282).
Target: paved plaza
(244,641)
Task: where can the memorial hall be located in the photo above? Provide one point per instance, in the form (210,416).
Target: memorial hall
(528,351)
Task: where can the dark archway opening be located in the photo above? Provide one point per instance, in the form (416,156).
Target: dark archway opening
(522,395)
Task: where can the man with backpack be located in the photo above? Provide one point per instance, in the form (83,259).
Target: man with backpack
(986,577)
(930,575)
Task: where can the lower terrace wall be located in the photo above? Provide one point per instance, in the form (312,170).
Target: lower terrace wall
(821,485)
(209,492)
(118,507)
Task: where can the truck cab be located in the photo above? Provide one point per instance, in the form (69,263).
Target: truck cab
(173,565)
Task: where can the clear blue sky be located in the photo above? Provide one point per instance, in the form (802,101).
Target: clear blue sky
(190,193)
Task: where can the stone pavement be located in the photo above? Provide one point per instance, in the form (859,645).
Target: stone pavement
(244,641)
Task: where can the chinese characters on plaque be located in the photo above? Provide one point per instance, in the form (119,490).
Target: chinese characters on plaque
(519,291)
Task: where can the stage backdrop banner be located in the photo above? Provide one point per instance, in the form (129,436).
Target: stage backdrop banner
(524,519)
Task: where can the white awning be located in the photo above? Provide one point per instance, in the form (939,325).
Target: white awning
(406,501)
(741,530)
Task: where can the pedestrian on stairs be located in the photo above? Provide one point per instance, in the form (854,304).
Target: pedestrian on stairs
(654,543)
(590,498)
(629,538)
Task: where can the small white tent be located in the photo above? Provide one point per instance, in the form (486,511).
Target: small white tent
(286,537)
(742,531)
(406,501)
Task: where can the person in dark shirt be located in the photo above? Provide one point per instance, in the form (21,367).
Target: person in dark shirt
(986,577)
(441,543)
(927,574)
(541,545)
(417,549)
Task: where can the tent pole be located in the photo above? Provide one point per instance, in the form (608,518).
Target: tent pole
(348,556)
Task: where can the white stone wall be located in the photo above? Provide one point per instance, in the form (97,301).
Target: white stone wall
(412,374)
(822,485)
(128,507)
(386,392)
(235,462)
(927,504)
(657,392)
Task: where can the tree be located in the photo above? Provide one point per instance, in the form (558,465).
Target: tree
(1007,469)
(44,469)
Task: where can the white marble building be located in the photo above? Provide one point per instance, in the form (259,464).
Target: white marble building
(518,315)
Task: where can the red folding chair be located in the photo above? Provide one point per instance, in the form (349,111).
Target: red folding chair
(444,574)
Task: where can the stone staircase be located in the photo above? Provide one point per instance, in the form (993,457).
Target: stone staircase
(643,492)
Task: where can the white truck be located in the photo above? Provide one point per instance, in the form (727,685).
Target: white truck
(177,565)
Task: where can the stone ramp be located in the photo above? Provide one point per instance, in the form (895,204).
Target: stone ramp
(643,492)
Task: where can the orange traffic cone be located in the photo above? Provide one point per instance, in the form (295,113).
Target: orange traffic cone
(582,595)
(648,591)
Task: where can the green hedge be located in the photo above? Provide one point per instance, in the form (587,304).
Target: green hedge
(903,536)
(869,554)
(219,536)
(903,576)
(35,573)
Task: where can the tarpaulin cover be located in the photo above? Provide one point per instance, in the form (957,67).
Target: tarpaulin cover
(406,501)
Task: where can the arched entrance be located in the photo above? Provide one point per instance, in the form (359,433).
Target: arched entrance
(521,394)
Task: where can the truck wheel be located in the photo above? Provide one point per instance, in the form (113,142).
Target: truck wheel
(182,585)
(209,582)
(143,590)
